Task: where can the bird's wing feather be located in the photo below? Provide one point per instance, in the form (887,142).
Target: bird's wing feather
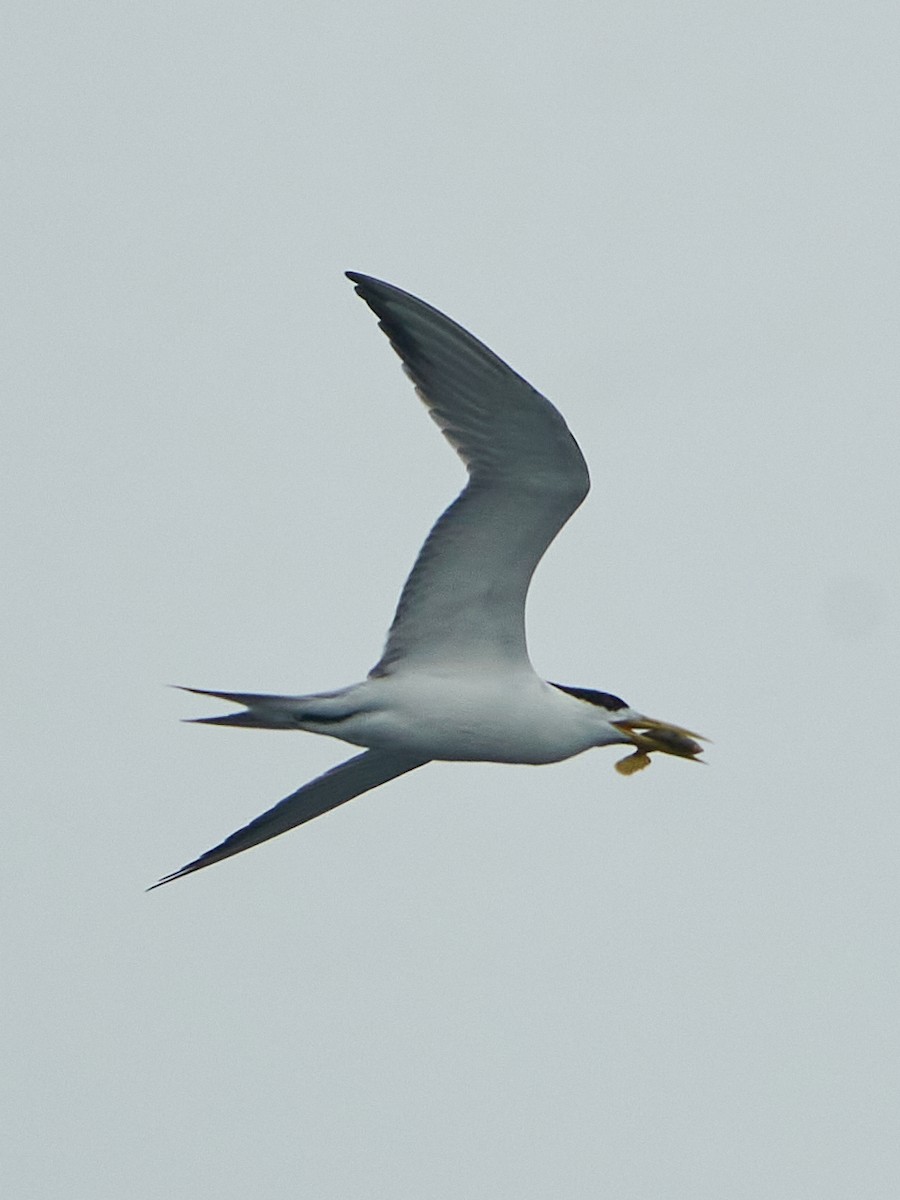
(340,784)
(464,601)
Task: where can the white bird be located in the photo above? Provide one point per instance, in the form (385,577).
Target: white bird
(455,680)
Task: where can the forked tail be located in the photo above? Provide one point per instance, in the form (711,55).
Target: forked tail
(260,712)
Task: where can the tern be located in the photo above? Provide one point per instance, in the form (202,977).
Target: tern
(455,681)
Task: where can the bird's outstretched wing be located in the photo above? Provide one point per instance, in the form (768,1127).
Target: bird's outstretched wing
(464,602)
(340,784)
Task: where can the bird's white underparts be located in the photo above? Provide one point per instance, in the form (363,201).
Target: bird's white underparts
(455,681)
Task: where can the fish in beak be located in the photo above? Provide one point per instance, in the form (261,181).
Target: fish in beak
(650,736)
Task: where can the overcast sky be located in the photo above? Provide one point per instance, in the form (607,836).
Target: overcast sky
(680,222)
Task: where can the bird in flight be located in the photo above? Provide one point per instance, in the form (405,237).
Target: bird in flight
(455,681)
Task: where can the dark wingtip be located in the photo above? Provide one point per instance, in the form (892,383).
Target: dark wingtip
(367,286)
(160,882)
(359,280)
(191,867)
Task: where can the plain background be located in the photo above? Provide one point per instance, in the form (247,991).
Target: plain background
(680,221)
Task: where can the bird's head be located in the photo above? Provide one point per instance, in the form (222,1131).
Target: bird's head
(650,736)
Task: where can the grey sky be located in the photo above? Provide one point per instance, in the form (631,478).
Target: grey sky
(680,223)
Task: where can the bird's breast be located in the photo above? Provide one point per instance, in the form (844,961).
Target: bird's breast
(515,720)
